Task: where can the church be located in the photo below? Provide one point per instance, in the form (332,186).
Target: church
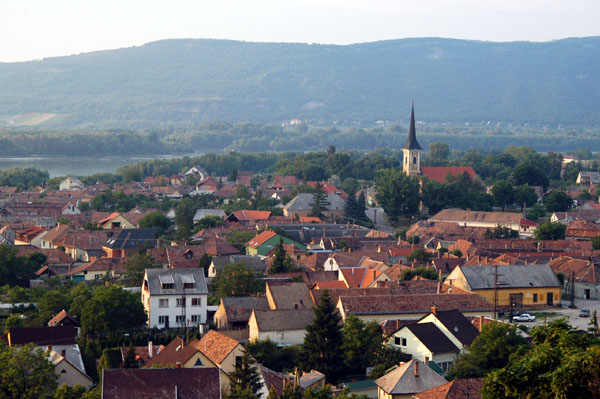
(411,163)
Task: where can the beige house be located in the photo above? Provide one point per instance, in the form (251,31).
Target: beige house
(478,218)
(408,379)
(284,327)
(67,373)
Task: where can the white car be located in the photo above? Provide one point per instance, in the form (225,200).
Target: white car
(524,317)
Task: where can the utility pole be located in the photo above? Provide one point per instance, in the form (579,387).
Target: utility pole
(496,284)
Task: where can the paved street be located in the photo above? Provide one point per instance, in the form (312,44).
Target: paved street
(572,315)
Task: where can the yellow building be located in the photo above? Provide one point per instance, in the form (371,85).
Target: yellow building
(521,285)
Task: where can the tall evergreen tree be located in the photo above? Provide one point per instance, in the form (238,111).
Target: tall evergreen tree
(320,202)
(130,362)
(322,347)
(281,262)
(204,263)
(246,379)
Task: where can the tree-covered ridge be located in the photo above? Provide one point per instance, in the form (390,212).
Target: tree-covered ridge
(188,81)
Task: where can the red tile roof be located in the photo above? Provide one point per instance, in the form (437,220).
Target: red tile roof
(439,173)
(251,215)
(457,389)
(261,239)
(161,383)
(216,346)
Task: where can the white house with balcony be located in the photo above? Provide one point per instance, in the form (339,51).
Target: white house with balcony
(173,298)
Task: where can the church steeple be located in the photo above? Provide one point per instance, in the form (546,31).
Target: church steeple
(412,150)
(412,143)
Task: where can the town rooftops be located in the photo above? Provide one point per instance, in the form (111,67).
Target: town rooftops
(173,281)
(168,383)
(511,276)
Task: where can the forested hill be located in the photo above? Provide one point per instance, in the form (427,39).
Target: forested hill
(182,82)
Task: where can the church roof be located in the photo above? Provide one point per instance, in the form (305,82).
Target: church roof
(412,143)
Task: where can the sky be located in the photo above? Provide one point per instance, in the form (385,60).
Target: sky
(36,29)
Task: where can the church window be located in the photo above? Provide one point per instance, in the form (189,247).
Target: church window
(414,160)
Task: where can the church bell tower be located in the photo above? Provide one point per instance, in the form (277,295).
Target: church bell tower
(411,150)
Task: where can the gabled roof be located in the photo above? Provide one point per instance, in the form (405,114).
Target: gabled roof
(462,216)
(304,201)
(182,383)
(290,295)
(458,325)
(249,215)
(432,337)
(176,351)
(176,277)
(131,239)
(282,320)
(511,276)
(251,262)
(62,317)
(261,238)
(402,380)
(40,336)
(456,389)
(216,346)
(359,277)
(440,173)
(239,309)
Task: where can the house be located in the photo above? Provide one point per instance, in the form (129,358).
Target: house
(588,177)
(523,285)
(264,242)
(83,245)
(63,318)
(217,265)
(284,327)
(234,313)
(582,230)
(175,297)
(454,325)
(71,208)
(457,389)
(31,236)
(410,307)
(582,273)
(117,220)
(67,372)
(301,206)
(290,296)
(98,269)
(312,380)
(245,216)
(364,387)
(361,277)
(425,342)
(71,183)
(180,383)
(478,218)
(197,171)
(202,213)
(127,242)
(407,380)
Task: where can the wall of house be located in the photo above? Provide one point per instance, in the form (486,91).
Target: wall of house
(151,305)
(503,295)
(228,364)
(414,346)
(285,337)
(430,318)
(580,290)
(70,375)
(220,318)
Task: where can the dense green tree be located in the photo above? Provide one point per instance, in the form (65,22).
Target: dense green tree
(273,356)
(67,392)
(596,242)
(110,359)
(550,231)
(281,263)
(571,171)
(557,201)
(397,193)
(184,215)
(112,309)
(501,232)
(323,341)
(529,173)
(136,266)
(438,155)
(536,212)
(419,255)
(130,361)
(15,270)
(491,350)
(525,196)
(204,263)
(426,272)
(363,342)
(209,221)
(156,220)
(78,296)
(560,364)
(26,373)
(319,203)
(242,192)
(246,379)
(585,195)
(237,280)
(51,303)
(503,193)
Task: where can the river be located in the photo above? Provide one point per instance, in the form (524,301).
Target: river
(63,166)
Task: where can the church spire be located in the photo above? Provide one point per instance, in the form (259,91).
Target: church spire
(412,143)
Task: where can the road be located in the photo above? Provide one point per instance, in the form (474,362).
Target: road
(572,315)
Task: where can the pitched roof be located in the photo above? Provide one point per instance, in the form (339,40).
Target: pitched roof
(585,271)
(240,308)
(60,335)
(411,142)
(216,346)
(432,337)
(304,201)
(412,304)
(439,173)
(458,325)
(176,351)
(251,262)
(183,383)
(116,265)
(261,238)
(290,295)
(246,214)
(60,317)
(280,320)
(511,276)
(177,277)
(402,380)
(273,379)
(456,389)
(462,216)
(131,239)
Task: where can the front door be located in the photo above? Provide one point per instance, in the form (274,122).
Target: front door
(550,299)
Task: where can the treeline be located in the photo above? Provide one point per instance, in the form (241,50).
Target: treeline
(254,137)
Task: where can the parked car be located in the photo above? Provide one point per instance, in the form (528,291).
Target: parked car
(584,313)
(524,317)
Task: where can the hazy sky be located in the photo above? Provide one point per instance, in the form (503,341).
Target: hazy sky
(33,29)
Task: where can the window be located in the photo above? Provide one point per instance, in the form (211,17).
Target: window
(535,298)
(163,319)
(163,303)
(167,286)
(196,318)
(196,301)
(399,341)
(188,285)
(180,302)
(180,319)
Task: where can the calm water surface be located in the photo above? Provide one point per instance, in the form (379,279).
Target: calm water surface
(62,166)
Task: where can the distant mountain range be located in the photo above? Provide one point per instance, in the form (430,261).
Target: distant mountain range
(185,82)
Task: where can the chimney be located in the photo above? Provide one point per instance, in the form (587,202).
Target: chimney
(439,286)
(433,309)
(63,353)
(149,349)
(440,275)
(426,360)
(178,365)
(480,322)
(416,368)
